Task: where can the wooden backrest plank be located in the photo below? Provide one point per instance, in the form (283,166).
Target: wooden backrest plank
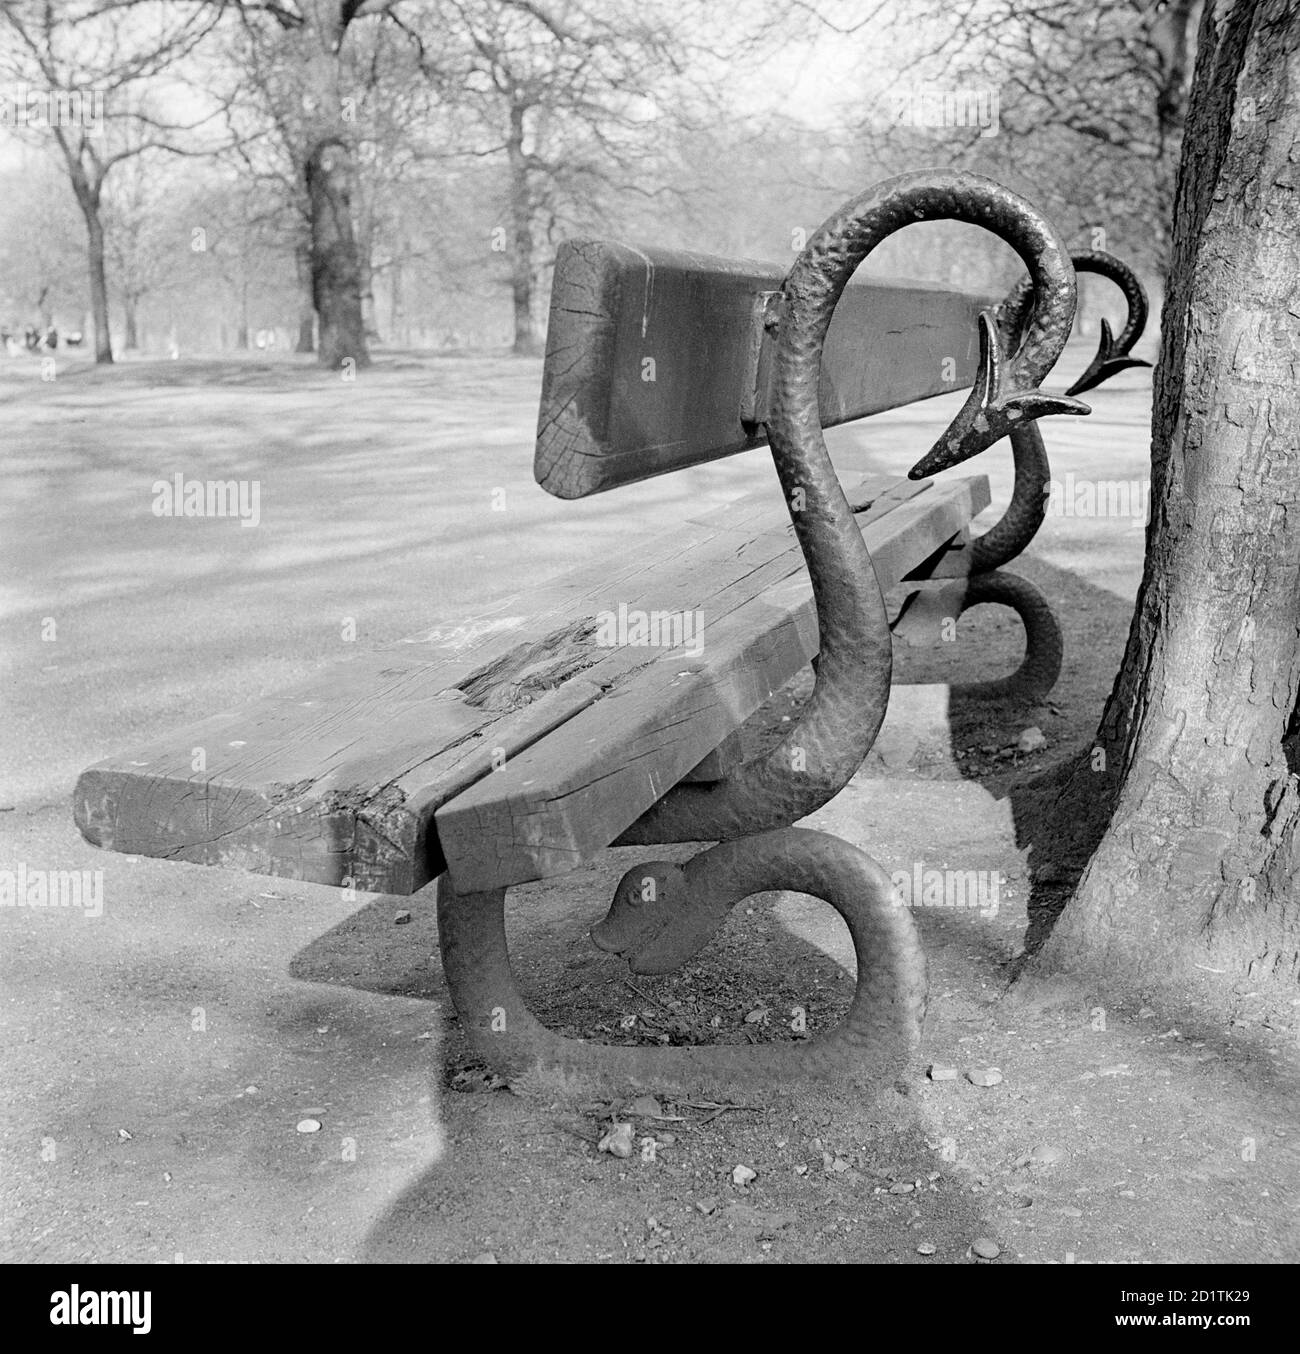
(653,359)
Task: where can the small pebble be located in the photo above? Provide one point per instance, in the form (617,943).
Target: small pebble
(1046,1156)
(902,1187)
(742,1176)
(1068,1212)
(926,1248)
(839,1166)
(308,1125)
(942,1072)
(983,1076)
(1032,739)
(707,1206)
(646,1105)
(400,920)
(484,1258)
(986,1249)
(618,1141)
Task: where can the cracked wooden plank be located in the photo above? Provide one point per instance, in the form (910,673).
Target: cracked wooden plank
(570,794)
(653,359)
(336,780)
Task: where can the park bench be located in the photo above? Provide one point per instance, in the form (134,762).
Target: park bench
(604,707)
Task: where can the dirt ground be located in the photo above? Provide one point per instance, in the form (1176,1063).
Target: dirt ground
(160,1058)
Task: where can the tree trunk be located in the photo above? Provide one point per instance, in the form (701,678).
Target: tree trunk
(1193,885)
(521,274)
(132,341)
(306,342)
(335,265)
(88,196)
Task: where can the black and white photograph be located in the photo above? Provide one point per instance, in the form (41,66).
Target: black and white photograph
(645,632)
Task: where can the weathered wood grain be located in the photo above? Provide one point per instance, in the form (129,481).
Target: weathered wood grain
(656,359)
(569,795)
(338,779)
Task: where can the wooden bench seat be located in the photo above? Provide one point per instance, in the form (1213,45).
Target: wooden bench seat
(512,746)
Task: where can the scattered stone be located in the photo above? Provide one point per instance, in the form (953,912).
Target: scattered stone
(1145,1013)
(902,1187)
(1128,1194)
(801,1170)
(707,1206)
(666,1139)
(742,1176)
(985,1248)
(400,920)
(124,1135)
(933,1176)
(1031,739)
(926,1248)
(308,1125)
(618,1141)
(1068,1212)
(766,1223)
(1119,1070)
(484,1258)
(942,1072)
(758,1016)
(1046,1155)
(646,1106)
(839,1166)
(983,1076)
(1023,1201)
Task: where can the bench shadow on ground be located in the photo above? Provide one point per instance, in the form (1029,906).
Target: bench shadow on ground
(982,732)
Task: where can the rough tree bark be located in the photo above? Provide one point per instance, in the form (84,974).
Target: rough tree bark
(88,195)
(1193,885)
(335,265)
(306,306)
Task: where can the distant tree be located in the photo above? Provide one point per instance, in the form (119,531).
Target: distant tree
(307,68)
(1091,100)
(42,247)
(87,67)
(575,102)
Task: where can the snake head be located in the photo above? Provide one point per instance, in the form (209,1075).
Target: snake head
(1108,362)
(991,412)
(641,925)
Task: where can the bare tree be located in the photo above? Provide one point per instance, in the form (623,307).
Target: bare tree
(1185,817)
(308,70)
(87,66)
(1092,95)
(575,102)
